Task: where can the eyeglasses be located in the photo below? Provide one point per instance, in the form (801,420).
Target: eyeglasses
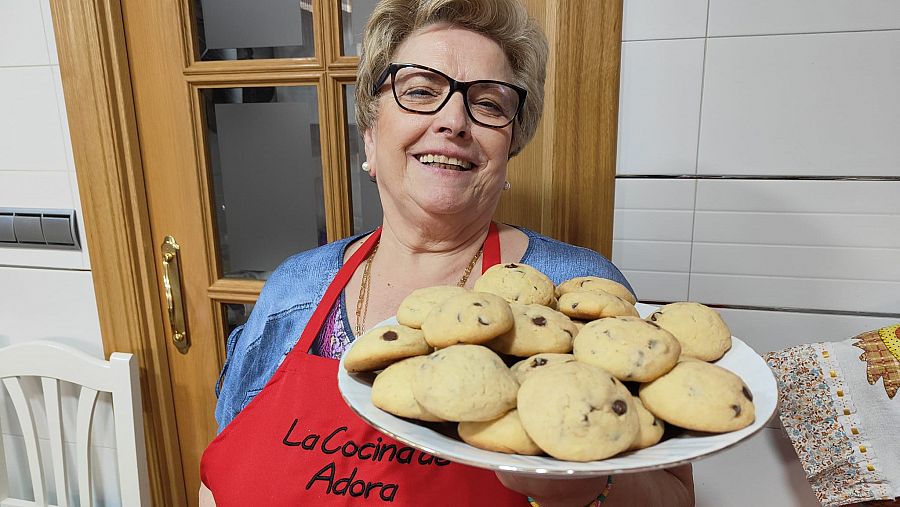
(423,90)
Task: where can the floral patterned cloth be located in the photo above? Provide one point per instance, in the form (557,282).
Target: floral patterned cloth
(841,419)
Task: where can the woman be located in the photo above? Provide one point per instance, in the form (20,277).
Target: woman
(440,161)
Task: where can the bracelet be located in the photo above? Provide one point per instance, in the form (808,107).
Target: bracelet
(594,503)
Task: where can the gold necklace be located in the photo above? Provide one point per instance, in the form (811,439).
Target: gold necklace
(362,303)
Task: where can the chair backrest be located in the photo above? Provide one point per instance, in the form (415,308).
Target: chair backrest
(53,363)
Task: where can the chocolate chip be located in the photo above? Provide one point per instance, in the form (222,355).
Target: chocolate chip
(511,265)
(476,303)
(737,410)
(619,407)
(539,321)
(389,336)
(538,361)
(574,305)
(653,316)
(482,322)
(747,393)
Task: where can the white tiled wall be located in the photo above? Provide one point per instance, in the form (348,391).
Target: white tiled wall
(44,294)
(759,171)
(810,104)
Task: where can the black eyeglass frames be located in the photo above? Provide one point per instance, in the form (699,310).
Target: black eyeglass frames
(423,90)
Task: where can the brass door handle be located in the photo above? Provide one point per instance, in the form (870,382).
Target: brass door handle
(174,301)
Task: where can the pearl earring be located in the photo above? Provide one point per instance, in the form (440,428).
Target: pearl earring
(365,166)
(506,186)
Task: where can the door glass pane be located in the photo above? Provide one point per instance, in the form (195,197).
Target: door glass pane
(266,174)
(363,191)
(235,315)
(354,14)
(253,29)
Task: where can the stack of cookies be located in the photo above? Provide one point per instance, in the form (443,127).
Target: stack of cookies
(525,367)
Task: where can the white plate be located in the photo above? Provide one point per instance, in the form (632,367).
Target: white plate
(683,448)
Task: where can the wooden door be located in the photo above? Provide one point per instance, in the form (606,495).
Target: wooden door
(243,137)
(173,128)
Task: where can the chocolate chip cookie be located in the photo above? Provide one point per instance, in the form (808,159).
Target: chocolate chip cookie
(651,428)
(596,285)
(523,368)
(505,434)
(416,306)
(471,317)
(517,283)
(537,329)
(465,383)
(384,345)
(578,412)
(700,396)
(392,390)
(592,306)
(630,348)
(702,332)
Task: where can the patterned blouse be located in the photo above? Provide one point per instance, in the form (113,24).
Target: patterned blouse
(335,336)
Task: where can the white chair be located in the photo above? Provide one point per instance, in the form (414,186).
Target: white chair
(53,363)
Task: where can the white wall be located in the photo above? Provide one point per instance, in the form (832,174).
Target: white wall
(739,126)
(44,294)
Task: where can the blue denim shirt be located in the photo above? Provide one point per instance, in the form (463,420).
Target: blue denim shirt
(289,297)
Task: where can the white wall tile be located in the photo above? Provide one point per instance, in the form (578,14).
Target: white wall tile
(768,331)
(659,103)
(797,244)
(30,131)
(22,39)
(63,117)
(739,17)
(795,292)
(55,305)
(49,35)
(658,286)
(652,234)
(35,189)
(802,105)
(800,196)
(41,258)
(663,19)
(764,470)
(653,255)
(654,225)
(845,265)
(655,193)
(805,229)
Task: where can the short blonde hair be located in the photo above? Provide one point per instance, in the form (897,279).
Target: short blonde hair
(506,22)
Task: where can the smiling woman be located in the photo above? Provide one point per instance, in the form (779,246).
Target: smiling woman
(448,91)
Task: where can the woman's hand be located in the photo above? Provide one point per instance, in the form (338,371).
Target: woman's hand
(555,492)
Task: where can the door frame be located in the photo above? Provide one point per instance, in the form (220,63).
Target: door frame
(97,87)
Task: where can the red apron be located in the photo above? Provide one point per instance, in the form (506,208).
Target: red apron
(298,443)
